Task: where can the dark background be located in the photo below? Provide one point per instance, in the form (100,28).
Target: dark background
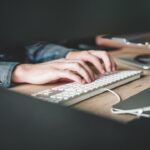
(29,20)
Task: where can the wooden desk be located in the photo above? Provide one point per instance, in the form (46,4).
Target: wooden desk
(101,104)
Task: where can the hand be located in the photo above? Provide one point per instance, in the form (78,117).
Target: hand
(53,71)
(102,41)
(96,58)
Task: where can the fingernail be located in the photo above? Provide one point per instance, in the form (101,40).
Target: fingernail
(83,81)
(94,77)
(109,69)
(90,81)
(102,72)
(113,69)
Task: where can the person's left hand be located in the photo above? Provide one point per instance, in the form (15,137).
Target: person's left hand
(96,58)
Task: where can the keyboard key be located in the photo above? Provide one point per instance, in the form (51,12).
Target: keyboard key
(72,93)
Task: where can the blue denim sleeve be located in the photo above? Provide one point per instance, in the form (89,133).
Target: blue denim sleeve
(44,51)
(6,69)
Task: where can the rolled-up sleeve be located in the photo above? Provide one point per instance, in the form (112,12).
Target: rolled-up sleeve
(6,69)
(44,51)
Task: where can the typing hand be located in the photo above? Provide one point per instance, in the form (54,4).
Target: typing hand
(53,71)
(96,58)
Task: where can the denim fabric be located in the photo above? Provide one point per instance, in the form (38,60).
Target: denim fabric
(6,69)
(44,51)
(35,53)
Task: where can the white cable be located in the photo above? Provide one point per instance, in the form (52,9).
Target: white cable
(137,112)
(114,93)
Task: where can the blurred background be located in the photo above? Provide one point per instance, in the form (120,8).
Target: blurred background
(30,20)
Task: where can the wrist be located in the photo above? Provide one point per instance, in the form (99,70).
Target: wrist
(18,75)
(71,55)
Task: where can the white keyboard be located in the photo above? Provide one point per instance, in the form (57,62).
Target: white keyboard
(72,93)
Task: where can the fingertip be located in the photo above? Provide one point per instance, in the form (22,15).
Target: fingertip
(102,71)
(94,77)
(113,69)
(83,81)
(109,69)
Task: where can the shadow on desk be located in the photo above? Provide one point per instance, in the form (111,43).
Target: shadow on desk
(30,124)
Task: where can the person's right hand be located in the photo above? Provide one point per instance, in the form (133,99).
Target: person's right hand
(53,71)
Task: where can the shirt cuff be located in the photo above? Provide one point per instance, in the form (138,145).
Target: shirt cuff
(43,51)
(6,69)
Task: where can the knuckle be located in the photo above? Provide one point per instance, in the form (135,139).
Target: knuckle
(91,51)
(68,72)
(77,65)
(96,59)
(62,59)
(109,65)
(78,77)
(80,61)
(101,68)
(85,52)
(70,64)
(105,53)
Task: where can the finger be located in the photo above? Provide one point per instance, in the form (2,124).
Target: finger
(81,71)
(114,65)
(71,75)
(66,64)
(86,67)
(105,58)
(109,62)
(78,68)
(95,61)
